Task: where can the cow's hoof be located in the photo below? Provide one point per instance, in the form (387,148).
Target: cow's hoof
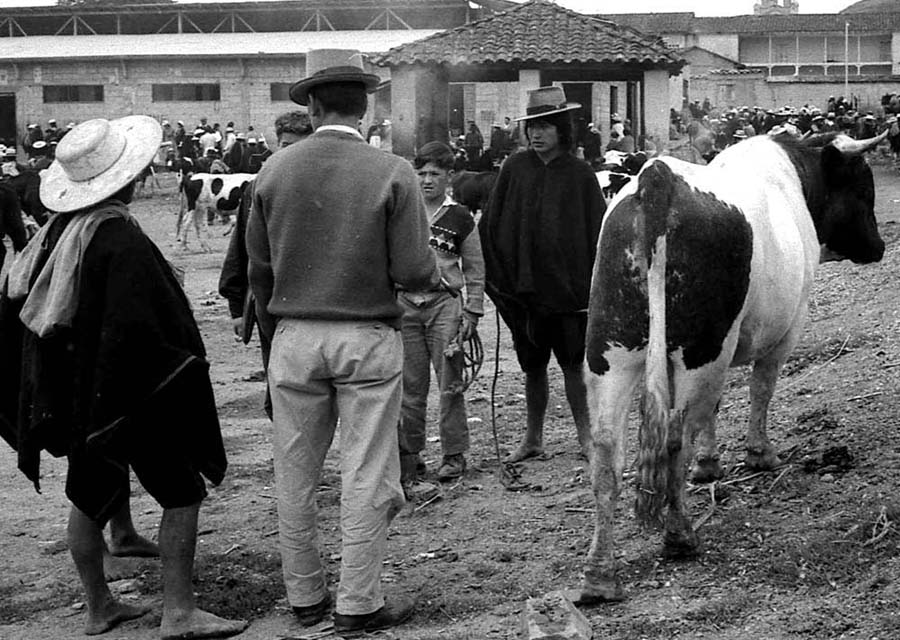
(707,469)
(762,459)
(681,545)
(596,589)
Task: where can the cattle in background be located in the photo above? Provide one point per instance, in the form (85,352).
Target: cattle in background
(617,170)
(11,222)
(473,189)
(700,268)
(27,186)
(218,193)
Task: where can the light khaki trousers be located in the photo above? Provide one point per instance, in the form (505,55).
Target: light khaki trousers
(320,370)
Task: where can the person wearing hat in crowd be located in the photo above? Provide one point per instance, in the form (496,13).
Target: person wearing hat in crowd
(228,141)
(290,127)
(593,145)
(497,145)
(52,132)
(34,134)
(98,342)
(539,236)
(356,219)
(208,139)
(473,144)
(181,137)
(11,224)
(168,133)
(238,157)
(39,152)
(11,167)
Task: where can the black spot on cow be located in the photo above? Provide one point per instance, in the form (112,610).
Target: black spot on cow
(216,186)
(618,313)
(709,250)
(710,247)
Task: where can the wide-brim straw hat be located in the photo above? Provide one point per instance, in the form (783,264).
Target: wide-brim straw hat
(324,66)
(96,159)
(547,101)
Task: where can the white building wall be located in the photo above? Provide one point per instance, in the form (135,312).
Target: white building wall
(245,93)
(725,45)
(656,106)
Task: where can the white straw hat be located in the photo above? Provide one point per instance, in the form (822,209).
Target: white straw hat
(96,159)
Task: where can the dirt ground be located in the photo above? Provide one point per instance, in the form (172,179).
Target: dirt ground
(811,551)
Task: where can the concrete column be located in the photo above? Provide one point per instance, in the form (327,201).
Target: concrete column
(418,107)
(656,106)
(529,79)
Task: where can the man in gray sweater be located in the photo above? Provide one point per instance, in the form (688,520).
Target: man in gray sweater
(335,226)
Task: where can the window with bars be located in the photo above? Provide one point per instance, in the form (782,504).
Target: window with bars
(73,93)
(186,93)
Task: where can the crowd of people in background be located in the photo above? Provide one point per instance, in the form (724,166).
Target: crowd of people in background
(712,129)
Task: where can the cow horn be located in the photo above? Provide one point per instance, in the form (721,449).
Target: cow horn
(851,147)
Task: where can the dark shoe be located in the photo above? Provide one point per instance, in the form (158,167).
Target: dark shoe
(452,467)
(421,492)
(390,615)
(412,467)
(314,613)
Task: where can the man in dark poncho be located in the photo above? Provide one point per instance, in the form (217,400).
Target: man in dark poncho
(103,363)
(539,236)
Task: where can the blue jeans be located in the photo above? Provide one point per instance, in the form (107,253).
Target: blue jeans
(430,322)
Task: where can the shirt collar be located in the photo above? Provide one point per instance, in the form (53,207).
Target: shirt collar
(342,128)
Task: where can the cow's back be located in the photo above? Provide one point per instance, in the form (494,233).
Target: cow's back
(737,259)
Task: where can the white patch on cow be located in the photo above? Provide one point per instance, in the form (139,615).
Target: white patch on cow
(207,202)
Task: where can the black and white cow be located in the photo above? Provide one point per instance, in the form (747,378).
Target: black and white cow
(210,192)
(617,170)
(700,268)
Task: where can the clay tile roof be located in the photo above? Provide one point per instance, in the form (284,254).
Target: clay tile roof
(536,31)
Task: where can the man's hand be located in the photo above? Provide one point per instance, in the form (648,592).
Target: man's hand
(238,325)
(468,324)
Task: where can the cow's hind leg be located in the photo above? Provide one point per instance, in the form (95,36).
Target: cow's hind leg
(699,395)
(609,399)
(680,540)
(761,455)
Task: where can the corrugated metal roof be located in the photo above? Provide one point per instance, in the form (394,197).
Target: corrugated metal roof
(210,45)
(536,31)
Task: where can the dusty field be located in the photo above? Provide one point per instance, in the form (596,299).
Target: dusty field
(809,552)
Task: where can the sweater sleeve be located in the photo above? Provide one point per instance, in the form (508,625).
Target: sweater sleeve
(233,279)
(411,261)
(473,272)
(259,271)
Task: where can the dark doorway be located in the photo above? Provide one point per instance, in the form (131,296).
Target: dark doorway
(579,92)
(8,118)
(456,105)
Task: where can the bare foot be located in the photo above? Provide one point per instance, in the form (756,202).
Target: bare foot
(111,615)
(525,451)
(133,546)
(197,623)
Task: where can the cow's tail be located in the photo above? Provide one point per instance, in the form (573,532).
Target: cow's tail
(655,186)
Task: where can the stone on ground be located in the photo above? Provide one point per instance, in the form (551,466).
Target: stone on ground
(554,617)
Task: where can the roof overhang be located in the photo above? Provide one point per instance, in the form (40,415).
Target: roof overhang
(202,45)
